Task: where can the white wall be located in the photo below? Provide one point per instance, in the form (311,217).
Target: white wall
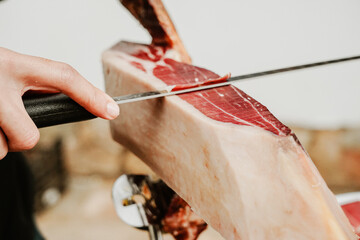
(240,37)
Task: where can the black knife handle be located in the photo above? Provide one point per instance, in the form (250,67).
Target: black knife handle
(50,110)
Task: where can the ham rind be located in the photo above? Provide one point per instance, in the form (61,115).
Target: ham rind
(238,167)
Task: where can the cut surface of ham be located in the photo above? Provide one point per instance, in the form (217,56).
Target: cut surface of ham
(237,166)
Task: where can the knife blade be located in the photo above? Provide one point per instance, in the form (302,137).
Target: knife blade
(168,91)
(58,109)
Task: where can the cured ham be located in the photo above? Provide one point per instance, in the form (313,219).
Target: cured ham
(181,221)
(237,166)
(352,211)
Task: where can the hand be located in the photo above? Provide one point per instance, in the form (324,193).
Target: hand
(20,73)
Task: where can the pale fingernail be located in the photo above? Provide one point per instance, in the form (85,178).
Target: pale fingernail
(113,110)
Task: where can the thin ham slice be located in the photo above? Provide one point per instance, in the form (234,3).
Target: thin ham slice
(238,167)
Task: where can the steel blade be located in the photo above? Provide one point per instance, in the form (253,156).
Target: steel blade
(168,91)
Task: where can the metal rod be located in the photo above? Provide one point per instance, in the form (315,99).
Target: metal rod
(155,232)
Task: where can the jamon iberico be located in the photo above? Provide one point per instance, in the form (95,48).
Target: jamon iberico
(237,166)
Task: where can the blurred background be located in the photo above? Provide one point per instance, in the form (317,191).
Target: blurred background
(76,164)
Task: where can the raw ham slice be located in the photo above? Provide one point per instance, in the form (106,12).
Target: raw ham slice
(238,167)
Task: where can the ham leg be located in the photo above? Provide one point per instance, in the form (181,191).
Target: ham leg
(238,167)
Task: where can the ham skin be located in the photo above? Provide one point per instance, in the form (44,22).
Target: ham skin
(238,167)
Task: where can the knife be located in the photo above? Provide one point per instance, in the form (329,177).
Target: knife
(51,110)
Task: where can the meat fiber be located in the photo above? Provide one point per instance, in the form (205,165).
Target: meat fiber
(238,167)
